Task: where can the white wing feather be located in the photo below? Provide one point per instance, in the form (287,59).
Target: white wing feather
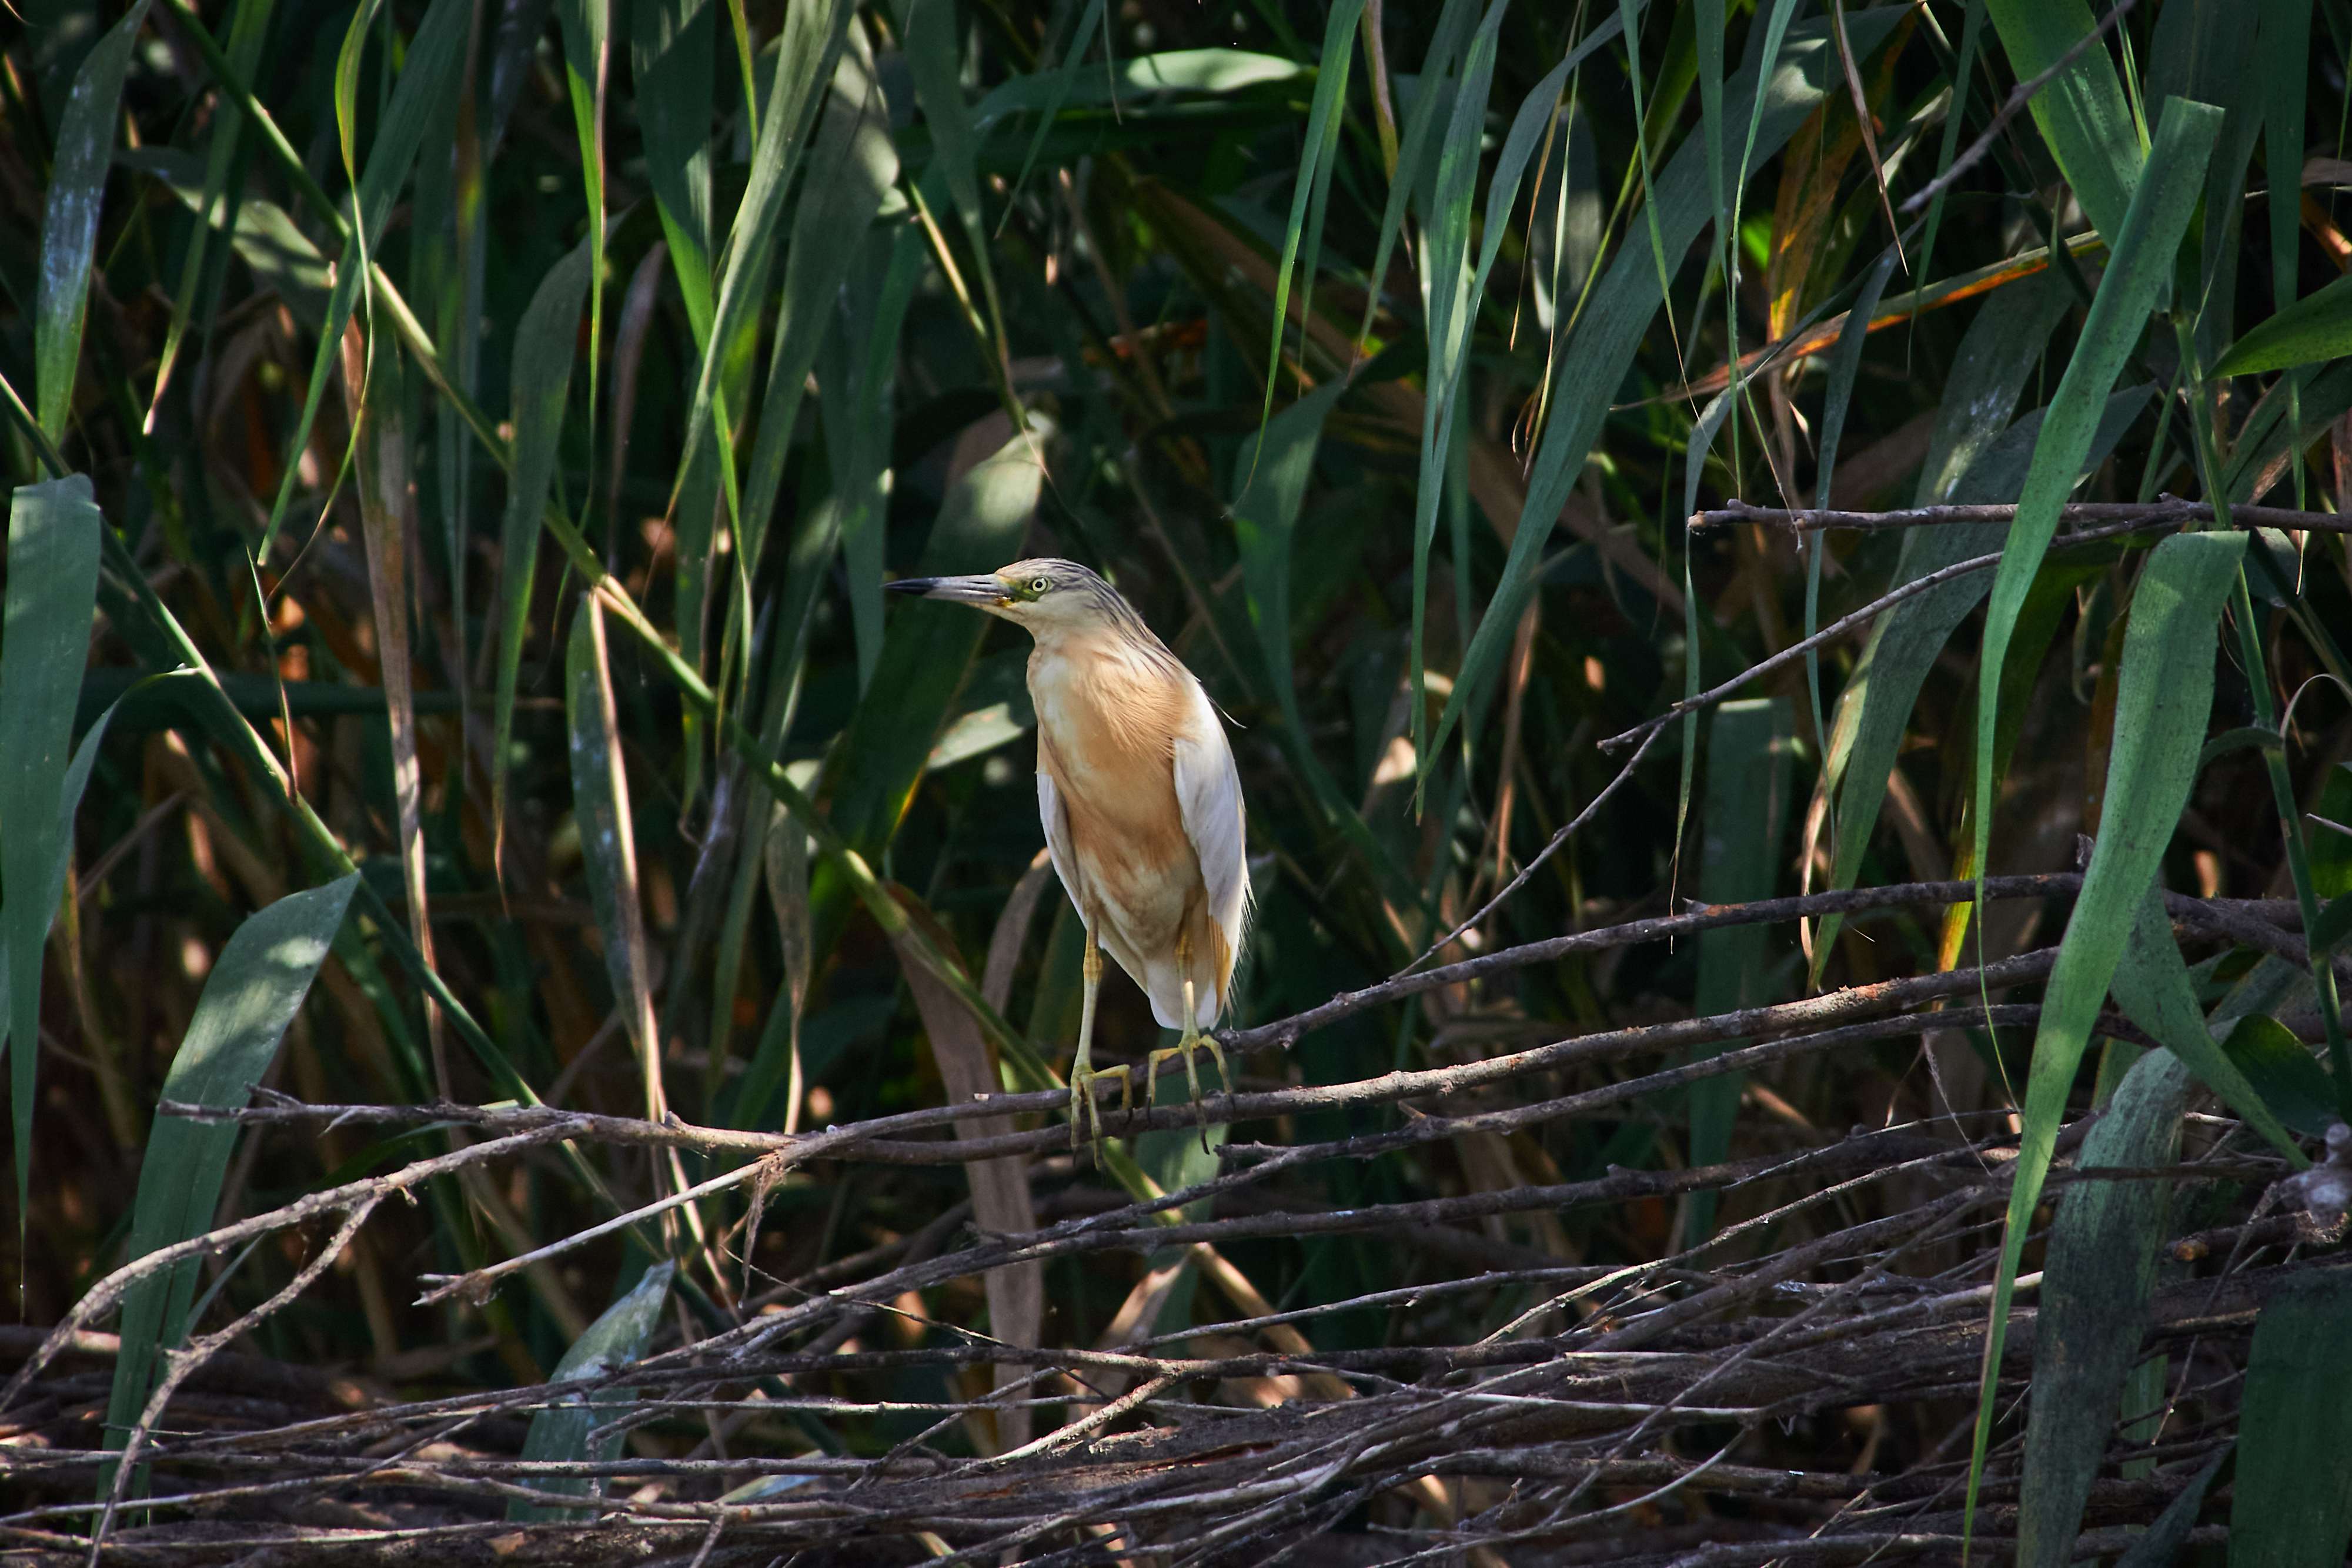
(1209,793)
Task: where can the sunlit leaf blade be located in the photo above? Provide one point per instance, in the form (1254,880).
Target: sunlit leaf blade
(2163,703)
(1748,762)
(256,987)
(84,150)
(2292,1503)
(1619,315)
(2136,279)
(2081,113)
(546,346)
(2096,1279)
(53,548)
(562,1430)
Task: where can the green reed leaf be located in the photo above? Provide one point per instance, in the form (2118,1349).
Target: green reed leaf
(256,987)
(2163,703)
(54,535)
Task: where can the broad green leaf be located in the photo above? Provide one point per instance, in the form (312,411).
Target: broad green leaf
(53,531)
(2292,1503)
(2137,280)
(1617,318)
(85,151)
(1132,83)
(47,896)
(2081,113)
(546,345)
(560,1430)
(2315,328)
(2153,988)
(2163,703)
(2283,1072)
(1740,856)
(2096,1279)
(254,989)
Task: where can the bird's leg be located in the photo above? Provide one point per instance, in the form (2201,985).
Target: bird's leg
(1082,1072)
(1189,1040)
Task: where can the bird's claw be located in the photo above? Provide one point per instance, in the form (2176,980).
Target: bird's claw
(1085,1112)
(1184,1049)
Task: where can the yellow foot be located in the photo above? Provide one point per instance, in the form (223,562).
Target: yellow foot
(1184,1048)
(1084,1111)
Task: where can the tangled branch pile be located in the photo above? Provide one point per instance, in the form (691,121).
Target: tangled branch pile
(1555,1412)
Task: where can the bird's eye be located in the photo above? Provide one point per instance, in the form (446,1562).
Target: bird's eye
(1039,585)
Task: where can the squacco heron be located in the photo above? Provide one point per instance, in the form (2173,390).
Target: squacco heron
(1141,804)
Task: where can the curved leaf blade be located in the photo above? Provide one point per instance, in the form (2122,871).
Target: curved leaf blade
(2316,327)
(53,546)
(2292,1498)
(250,998)
(2163,702)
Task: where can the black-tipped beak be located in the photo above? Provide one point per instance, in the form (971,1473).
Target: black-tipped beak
(982,589)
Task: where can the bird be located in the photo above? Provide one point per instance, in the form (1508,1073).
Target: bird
(1142,805)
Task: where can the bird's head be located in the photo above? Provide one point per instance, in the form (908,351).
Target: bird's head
(1044,595)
